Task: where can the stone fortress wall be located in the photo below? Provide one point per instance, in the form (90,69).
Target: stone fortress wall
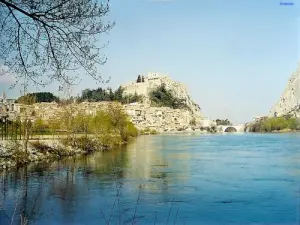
(152,81)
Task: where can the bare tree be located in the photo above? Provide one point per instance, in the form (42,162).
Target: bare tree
(44,40)
(27,120)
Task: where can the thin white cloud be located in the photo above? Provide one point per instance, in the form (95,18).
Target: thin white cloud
(5,76)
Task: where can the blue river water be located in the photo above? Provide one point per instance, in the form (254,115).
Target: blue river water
(164,179)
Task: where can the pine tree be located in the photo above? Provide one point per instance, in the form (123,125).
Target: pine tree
(139,79)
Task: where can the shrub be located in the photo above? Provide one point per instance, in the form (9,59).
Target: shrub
(223,122)
(275,124)
(153,132)
(193,122)
(148,131)
(39,97)
(162,97)
(100,94)
(129,131)
(108,128)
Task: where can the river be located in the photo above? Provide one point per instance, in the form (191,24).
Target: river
(164,179)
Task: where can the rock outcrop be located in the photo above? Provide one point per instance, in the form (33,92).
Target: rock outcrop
(289,102)
(155,80)
(158,118)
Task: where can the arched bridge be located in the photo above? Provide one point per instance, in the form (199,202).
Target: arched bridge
(237,128)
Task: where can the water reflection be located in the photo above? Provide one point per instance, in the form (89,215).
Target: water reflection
(38,191)
(182,178)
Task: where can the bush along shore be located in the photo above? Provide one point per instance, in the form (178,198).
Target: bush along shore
(285,123)
(65,136)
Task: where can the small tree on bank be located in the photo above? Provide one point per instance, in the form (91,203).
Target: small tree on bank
(139,79)
(26,120)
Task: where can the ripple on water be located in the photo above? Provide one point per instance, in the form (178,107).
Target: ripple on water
(193,179)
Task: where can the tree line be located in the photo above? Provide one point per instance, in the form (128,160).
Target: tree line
(38,97)
(101,94)
(90,95)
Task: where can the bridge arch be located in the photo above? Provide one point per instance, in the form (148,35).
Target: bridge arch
(230,129)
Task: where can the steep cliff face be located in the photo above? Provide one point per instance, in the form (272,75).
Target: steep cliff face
(289,102)
(154,80)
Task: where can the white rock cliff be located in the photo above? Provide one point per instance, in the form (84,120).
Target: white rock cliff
(289,102)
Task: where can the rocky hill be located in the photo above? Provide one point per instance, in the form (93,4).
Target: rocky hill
(155,80)
(289,102)
(144,115)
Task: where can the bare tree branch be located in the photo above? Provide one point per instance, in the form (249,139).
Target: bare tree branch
(45,41)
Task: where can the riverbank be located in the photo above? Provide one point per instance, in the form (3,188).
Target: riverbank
(45,148)
(13,154)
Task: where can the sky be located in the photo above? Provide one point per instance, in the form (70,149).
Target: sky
(235,56)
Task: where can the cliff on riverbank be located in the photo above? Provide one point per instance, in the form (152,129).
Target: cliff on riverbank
(285,114)
(289,102)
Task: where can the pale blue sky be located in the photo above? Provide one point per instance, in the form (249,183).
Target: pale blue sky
(235,56)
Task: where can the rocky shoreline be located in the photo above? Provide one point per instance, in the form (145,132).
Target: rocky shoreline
(11,154)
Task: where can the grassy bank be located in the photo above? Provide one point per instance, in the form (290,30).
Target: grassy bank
(69,134)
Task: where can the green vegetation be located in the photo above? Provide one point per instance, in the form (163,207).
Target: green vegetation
(148,131)
(100,94)
(223,122)
(193,122)
(38,97)
(104,130)
(108,128)
(94,95)
(140,79)
(161,97)
(275,124)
